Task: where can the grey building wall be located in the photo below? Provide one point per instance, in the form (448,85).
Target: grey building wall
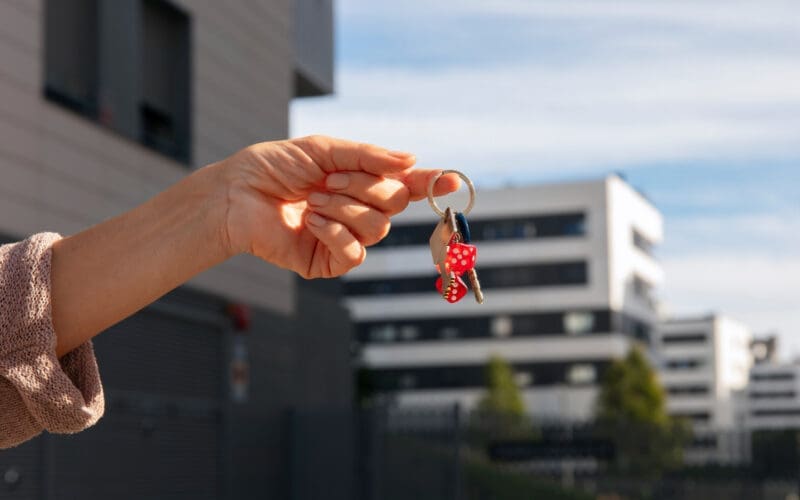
(62,172)
(171,429)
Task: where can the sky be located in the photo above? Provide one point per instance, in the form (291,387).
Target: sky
(697,103)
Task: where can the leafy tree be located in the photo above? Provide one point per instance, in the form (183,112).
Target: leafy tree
(632,414)
(503,396)
(501,412)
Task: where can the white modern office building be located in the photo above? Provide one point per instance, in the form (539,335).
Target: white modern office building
(773,397)
(704,364)
(703,361)
(567,271)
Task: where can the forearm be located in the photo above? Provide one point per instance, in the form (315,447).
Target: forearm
(108,272)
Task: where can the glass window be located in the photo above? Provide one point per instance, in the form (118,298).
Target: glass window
(523,379)
(383,333)
(578,322)
(502,326)
(409,332)
(581,374)
(93,53)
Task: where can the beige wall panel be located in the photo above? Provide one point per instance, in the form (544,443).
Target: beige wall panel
(73,172)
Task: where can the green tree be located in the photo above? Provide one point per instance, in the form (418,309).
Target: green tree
(632,414)
(500,413)
(503,397)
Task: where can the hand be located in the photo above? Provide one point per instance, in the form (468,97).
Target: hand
(313,204)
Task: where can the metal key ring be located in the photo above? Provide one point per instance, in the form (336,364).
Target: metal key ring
(466,180)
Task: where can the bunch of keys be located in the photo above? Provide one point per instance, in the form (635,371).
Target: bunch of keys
(452,253)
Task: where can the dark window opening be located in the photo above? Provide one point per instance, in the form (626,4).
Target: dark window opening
(696,417)
(684,338)
(772,376)
(687,390)
(772,395)
(131,77)
(524,227)
(521,325)
(164,105)
(642,243)
(71,54)
(450,377)
(684,364)
(532,275)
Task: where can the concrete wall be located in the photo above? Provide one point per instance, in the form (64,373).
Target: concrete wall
(61,172)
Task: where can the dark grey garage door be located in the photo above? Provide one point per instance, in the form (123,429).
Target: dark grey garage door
(163,374)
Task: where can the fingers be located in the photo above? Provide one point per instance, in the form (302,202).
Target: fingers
(341,155)
(417,182)
(366,223)
(346,252)
(388,195)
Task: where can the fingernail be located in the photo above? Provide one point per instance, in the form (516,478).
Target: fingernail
(318,199)
(337,181)
(400,154)
(316,220)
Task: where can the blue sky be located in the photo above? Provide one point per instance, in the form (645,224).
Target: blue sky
(697,103)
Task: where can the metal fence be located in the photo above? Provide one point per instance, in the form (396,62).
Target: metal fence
(448,454)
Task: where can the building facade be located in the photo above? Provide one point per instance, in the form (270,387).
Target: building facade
(703,361)
(567,271)
(773,397)
(104,103)
(703,364)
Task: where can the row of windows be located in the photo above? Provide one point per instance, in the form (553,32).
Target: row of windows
(687,390)
(503,326)
(91,54)
(684,338)
(696,417)
(512,325)
(530,275)
(685,364)
(772,376)
(461,377)
(514,228)
(782,412)
(773,395)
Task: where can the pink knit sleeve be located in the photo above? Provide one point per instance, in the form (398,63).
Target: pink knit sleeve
(38,391)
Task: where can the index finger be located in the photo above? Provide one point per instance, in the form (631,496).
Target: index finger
(417,179)
(333,154)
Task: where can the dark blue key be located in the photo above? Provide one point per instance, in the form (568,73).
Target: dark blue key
(463,227)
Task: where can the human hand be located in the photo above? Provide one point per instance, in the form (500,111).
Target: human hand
(313,204)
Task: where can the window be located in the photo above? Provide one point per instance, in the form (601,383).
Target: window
(448,332)
(164,104)
(383,333)
(684,338)
(642,242)
(502,326)
(772,395)
(531,275)
(581,374)
(409,332)
(71,54)
(687,390)
(474,327)
(523,379)
(695,417)
(577,323)
(685,364)
(510,228)
(132,77)
(772,376)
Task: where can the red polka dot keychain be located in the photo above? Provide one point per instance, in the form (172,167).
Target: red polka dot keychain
(453,254)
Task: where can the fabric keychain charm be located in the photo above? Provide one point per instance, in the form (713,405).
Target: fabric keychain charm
(453,254)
